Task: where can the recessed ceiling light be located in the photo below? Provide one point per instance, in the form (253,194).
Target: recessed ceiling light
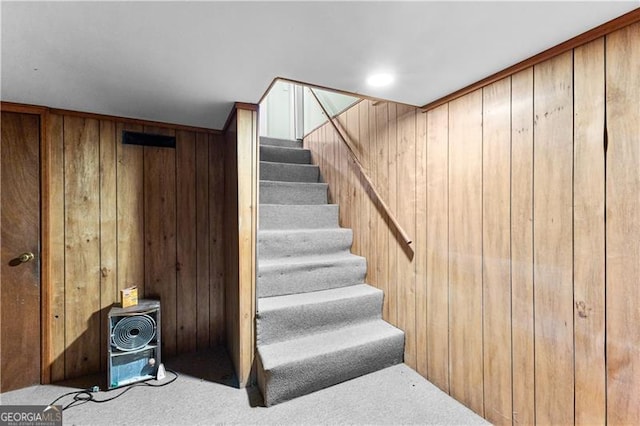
(380,80)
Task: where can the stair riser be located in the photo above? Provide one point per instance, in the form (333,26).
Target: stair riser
(284,172)
(272,245)
(298,217)
(286,143)
(284,193)
(284,155)
(275,281)
(284,382)
(293,322)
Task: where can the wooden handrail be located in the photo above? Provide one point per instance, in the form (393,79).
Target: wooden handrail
(387,210)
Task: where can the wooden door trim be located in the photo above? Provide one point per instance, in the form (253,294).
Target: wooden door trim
(45,241)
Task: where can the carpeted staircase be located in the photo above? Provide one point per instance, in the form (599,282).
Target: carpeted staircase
(318,323)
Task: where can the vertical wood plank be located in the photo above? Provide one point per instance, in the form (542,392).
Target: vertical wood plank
(373,258)
(160,234)
(437,251)
(394,239)
(465,250)
(82,245)
(353,205)
(217,244)
(522,331)
(204,219)
(406,199)
(108,231)
(420,244)
(363,198)
(496,250)
(186,235)
(553,227)
(623,225)
(130,177)
(56,221)
(382,227)
(588,234)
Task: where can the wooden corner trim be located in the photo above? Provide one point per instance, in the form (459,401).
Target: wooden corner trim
(620,22)
(234,110)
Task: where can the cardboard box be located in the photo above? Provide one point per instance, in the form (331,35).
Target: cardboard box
(129,296)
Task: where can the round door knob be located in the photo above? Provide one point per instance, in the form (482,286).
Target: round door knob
(26,257)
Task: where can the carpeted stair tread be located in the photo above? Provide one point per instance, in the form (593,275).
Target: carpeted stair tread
(298,366)
(279,154)
(309,273)
(303,242)
(287,143)
(294,315)
(273,192)
(288,172)
(282,216)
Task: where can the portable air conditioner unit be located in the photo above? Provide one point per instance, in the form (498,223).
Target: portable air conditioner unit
(134,343)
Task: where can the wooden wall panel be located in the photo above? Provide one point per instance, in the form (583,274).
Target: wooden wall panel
(241,177)
(82,245)
(217,246)
(420,245)
(522,303)
(203,240)
(465,250)
(496,250)
(56,221)
(98,223)
(186,244)
(525,306)
(160,234)
(108,231)
(406,205)
(589,234)
(437,247)
(381,163)
(623,225)
(130,206)
(552,240)
(394,237)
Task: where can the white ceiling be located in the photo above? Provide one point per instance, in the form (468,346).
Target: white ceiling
(187,62)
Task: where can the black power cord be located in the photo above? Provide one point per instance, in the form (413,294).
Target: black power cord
(88,395)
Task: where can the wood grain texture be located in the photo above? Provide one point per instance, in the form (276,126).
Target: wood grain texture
(217,246)
(382,181)
(247,202)
(96,191)
(108,232)
(465,250)
(160,235)
(20,345)
(522,318)
(496,250)
(589,234)
(437,247)
(623,226)
(553,247)
(203,281)
(420,245)
(517,303)
(186,235)
(406,205)
(130,206)
(82,245)
(394,252)
(56,234)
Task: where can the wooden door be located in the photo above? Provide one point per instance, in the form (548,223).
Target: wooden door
(20,224)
